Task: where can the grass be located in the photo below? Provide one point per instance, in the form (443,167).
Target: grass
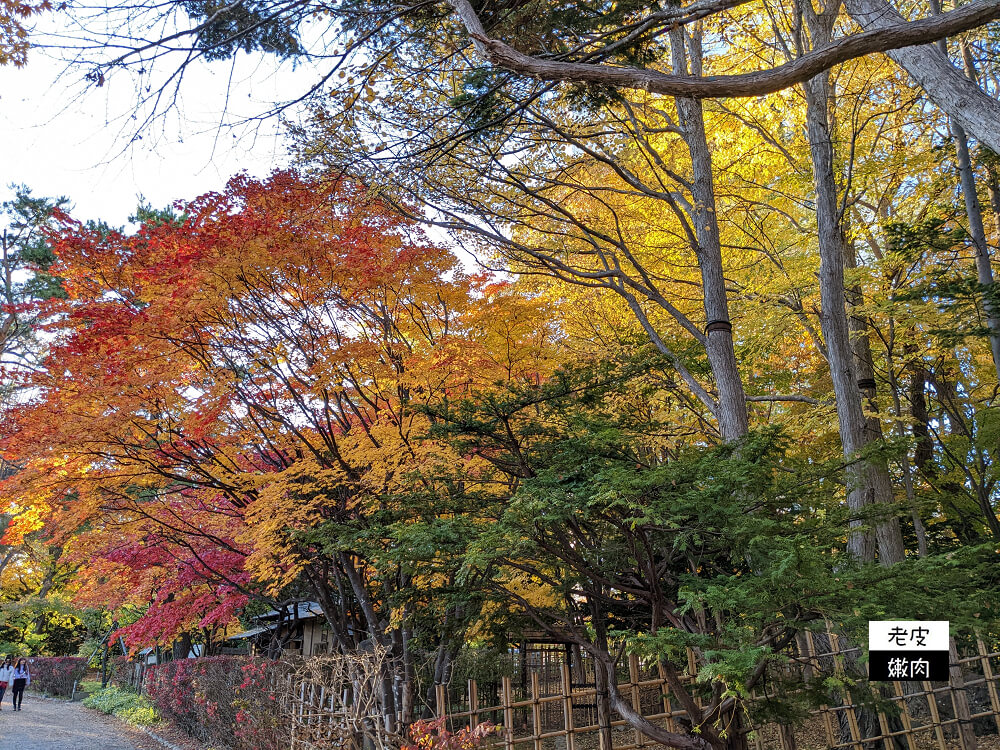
(88,687)
(123,704)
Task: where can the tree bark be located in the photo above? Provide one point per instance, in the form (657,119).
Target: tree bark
(889,535)
(907,470)
(868,479)
(732,403)
(945,85)
(974,211)
(977,231)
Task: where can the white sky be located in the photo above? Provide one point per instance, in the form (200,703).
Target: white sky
(61,138)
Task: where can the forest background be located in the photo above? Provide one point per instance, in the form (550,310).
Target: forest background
(726,368)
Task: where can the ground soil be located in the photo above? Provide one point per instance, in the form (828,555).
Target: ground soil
(60,725)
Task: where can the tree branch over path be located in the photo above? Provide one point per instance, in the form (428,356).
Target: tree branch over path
(893,36)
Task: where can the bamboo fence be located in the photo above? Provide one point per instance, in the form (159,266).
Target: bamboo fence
(548,705)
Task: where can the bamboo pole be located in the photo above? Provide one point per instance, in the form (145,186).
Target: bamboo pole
(959,700)
(508,713)
(904,714)
(567,695)
(536,712)
(935,714)
(991,685)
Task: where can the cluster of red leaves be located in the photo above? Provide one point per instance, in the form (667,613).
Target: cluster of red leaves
(223,701)
(433,735)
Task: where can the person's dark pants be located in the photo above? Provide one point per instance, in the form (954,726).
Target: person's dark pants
(17,693)
(3,689)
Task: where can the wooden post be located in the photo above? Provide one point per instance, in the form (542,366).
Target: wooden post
(991,685)
(786,737)
(567,695)
(633,682)
(508,713)
(442,702)
(665,696)
(473,703)
(966,735)
(536,711)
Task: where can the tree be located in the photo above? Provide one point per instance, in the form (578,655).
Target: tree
(239,394)
(607,542)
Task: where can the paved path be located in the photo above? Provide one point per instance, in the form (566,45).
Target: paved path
(59,725)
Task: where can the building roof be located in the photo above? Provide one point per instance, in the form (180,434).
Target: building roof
(250,633)
(301,611)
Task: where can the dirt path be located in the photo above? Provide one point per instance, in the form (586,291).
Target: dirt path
(59,725)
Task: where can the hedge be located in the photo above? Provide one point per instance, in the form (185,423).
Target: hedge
(224,701)
(56,675)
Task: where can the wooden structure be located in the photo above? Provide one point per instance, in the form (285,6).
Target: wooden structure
(300,630)
(557,713)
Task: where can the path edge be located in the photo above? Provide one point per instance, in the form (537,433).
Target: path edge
(166,743)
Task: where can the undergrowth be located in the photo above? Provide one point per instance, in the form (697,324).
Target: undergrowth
(123,704)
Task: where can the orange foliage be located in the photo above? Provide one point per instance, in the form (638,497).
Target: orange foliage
(221,383)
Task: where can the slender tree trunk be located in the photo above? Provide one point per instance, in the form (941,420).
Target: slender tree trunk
(376,631)
(977,232)
(732,409)
(904,461)
(993,185)
(868,479)
(973,211)
(923,452)
(50,578)
(880,483)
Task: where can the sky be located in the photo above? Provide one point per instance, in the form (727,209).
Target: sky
(60,136)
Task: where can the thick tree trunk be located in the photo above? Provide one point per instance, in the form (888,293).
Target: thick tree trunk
(182,646)
(945,85)
(889,536)
(868,479)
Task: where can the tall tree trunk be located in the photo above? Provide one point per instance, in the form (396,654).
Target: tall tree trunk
(868,478)
(182,646)
(732,408)
(904,462)
(974,212)
(993,185)
(923,452)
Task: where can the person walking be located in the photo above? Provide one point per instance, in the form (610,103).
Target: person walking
(6,676)
(22,678)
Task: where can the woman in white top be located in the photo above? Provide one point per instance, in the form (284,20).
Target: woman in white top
(6,677)
(22,678)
